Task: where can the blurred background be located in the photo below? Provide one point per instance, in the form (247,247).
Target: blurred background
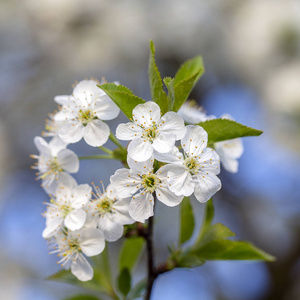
(251,51)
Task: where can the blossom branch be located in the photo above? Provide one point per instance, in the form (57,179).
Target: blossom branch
(96,157)
(115,140)
(150,258)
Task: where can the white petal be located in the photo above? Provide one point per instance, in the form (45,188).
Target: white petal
(91,220)
(112,231)
(172,157)
(167,197)
(56,144)
(121,211)
(125,183)
(71,131)
(206,186)
(75,219)
(195,140)
(96,133)
(174,124)
(180,180)
(192,113)
(140,149)
(63,99)
(87,91)
(230,164)
(66,184)
(209,161)
(128,131)
(145,114)
(91,241)
(230,148)
(65,114)
(82,269)
(53,225)
(140,167)
(105,108)
(164,143)
(81,195)
(68,160)
(49,184)
(42,146)
(141,207)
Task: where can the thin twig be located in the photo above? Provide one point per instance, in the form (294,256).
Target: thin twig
(96,157)
(150,258)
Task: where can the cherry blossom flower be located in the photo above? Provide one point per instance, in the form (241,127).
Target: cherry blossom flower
(54,161)
(83,112)
(195,170)
(109,213)
(192,113)
(149,131)
(52,126)
(66,208)
(71,246)
(140,182)
(229,151)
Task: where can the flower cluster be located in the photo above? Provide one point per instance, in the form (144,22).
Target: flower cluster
(167,160)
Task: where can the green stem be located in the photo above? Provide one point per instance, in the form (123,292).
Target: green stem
(115,140)
(105,150)
(96,157)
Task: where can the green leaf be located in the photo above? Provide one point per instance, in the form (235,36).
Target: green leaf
(101,262)
(169,83)
(156,86)
(130,252)
(186,220)
(98,283)
(207,219)
(138,290)
(185,79)
(231,250)
(223,129)
(122,96)
(83,297)
(124,281)
(188,260)
(215,232)
(209,213)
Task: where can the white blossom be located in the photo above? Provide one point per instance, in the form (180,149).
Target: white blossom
(140,182)
(82,113)
(71,246)
(66,208)
(192,113)
(52,126)
(195,170)
(54,162)
(229,151)
(149,131)
(108,212)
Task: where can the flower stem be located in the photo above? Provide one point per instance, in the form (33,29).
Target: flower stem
(115,140)
(104,149)
(150,258)
(96,157)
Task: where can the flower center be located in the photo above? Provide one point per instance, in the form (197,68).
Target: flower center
(150,182)
(52,168)
(192,164)
(85,116)
(74,246)
(65,208)
(151,133)
(105,205)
